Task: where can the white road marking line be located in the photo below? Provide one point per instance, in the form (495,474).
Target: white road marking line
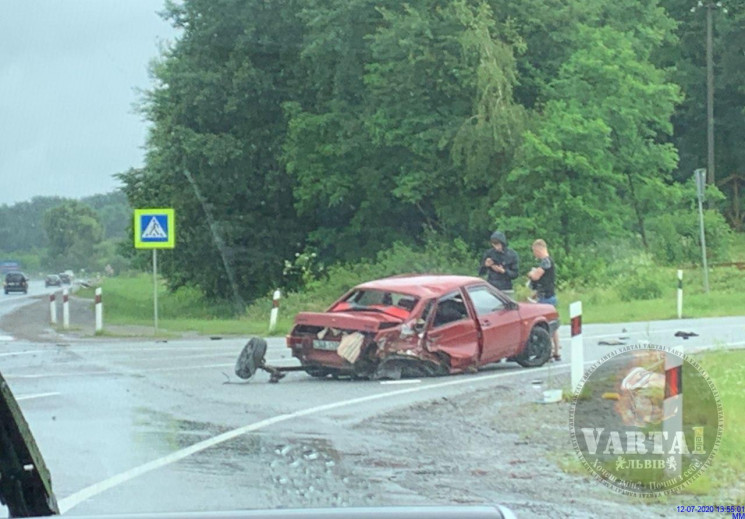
(645,333)
(6,338)
(127,370)
(75,499)
(31,397)
(175,347)
(186,368)
(394,382)
(48,375)
(181,368)
(13,353)
(86,493)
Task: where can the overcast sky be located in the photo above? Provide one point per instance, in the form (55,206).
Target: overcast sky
(69,74)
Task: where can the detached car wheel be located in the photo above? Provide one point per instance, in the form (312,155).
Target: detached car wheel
(251,358)
(537,350)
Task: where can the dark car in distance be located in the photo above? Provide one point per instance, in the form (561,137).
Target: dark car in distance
(65,278)
(15,282)
(53,280)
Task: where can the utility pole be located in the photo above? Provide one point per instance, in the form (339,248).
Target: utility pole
(710,6)
(699,175)
(709,96)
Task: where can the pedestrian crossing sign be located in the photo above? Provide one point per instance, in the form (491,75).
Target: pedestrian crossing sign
(155,229)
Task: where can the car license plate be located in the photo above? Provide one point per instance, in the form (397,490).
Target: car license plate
(325,345)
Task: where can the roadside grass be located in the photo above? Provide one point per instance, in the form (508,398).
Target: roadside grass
(128,299)
(723,479)
(727,370)
(726,297)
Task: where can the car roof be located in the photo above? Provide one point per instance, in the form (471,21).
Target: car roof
(421,285)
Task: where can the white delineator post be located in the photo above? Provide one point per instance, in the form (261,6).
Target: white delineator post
(275,310)
(672,411)
(680,294)
(99,311)
(578,361)
(65,309)
(52,310)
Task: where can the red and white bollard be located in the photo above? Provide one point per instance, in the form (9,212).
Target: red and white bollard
(672,410)
(275,310)
(65,309)
(52,310)
(578,361)
(99,311)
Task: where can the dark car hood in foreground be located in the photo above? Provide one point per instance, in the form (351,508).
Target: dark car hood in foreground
(25,483)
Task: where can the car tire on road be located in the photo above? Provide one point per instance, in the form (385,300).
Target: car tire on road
(250,358)
(537,350)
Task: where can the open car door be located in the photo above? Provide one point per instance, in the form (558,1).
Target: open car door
(25,483)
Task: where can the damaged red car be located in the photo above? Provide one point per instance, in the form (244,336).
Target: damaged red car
(413,326)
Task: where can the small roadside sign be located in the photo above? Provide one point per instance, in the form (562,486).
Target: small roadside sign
(155,228)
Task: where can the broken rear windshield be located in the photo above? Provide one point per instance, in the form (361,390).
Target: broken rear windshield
(392,303)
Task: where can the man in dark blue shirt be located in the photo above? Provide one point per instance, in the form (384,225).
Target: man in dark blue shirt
(499,263)
(543,281)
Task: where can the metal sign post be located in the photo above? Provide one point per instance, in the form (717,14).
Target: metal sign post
(700,175)
(155,229)
(155,289)
(578,361)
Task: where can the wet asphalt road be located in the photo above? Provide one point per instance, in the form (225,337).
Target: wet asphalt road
(130,426)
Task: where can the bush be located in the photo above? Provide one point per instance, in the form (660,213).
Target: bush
(598,264)
(674,238)
(640,285)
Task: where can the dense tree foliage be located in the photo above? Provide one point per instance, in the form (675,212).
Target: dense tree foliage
(687,63)
(22,224)
(74,231)
(343,127)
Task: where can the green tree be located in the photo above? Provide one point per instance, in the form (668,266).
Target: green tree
(21,224)
(597,149)
(216,114)
(412,127)
(687,61)
(115,213)
(73,231)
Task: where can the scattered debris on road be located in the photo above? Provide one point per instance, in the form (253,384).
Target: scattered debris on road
(685,335)
(611,342)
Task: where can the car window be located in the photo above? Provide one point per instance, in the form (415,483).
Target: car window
(393,303)
(450,308)
(484,302)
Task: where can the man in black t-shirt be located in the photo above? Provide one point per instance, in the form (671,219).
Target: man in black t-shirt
(543,281)
(500,263)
